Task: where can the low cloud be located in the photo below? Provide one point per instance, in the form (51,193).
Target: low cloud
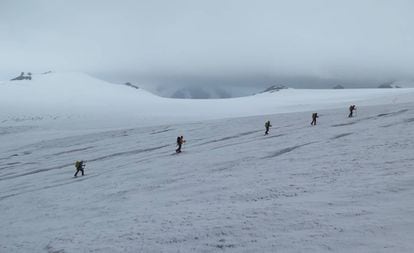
(221,41)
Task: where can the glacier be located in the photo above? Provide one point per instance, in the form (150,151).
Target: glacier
(344,185)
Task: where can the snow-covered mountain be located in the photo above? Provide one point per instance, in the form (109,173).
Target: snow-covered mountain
(195,92)
(344,185)
(338,87)
(397,84)
(199,90)
(199,93)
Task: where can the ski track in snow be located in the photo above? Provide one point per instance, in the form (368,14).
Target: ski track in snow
(345,185)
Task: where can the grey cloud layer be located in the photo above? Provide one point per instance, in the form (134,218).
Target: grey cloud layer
(329,39)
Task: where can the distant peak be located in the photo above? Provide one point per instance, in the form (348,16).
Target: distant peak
(389,85)
(338,87)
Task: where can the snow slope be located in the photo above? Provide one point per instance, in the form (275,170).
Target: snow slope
(78,101)
(345,185)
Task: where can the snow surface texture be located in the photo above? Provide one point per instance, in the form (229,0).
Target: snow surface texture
(345,185)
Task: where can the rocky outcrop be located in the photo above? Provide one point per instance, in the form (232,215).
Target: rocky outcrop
(22,77)
(131,85)
(274,88)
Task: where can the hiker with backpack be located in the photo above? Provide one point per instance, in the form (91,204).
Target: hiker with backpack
(267,126)
(180,142)
(314,116)
(79,165)
(352,108)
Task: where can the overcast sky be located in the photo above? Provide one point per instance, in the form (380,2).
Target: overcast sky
(154,41)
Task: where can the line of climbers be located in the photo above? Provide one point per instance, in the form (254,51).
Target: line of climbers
(352,108)
(80,165)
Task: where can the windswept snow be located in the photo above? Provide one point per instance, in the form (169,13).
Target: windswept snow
(345,185)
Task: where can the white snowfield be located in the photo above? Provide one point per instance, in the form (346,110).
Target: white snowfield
(78,101)
(344,185)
